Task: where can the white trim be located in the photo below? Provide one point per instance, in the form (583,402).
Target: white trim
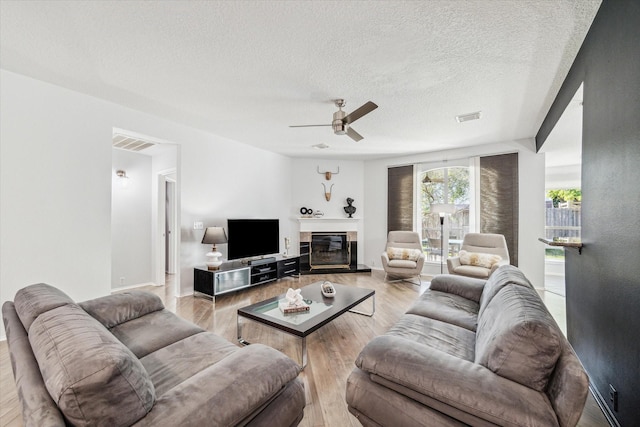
(139,285)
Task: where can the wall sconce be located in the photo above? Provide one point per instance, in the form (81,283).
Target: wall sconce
(123,179)
(213,236)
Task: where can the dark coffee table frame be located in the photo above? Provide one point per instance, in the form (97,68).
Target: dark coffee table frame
(346,298)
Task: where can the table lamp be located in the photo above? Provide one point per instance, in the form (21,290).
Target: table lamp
(214,235)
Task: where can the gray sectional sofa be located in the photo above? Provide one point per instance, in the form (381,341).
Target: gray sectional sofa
(470,352)
(125,360)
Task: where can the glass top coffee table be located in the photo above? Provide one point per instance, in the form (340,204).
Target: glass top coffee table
(322,310)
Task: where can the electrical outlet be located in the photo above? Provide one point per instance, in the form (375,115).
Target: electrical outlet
(198,225)
(373,263)
(122,280)
(613,397)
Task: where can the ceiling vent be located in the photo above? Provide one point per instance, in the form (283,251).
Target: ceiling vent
(128,143)
(466,117)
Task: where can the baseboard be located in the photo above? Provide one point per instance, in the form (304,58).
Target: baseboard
(611,419)
(139,285)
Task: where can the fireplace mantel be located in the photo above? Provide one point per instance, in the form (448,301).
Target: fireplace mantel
(328,224)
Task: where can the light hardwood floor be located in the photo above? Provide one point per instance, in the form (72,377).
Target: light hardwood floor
(331,350)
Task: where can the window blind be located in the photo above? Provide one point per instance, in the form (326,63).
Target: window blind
(400,199)
(499,199)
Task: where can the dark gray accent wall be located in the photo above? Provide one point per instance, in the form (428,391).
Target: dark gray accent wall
(603,284)
(499,200)
(400,199)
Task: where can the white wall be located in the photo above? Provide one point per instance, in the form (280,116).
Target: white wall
(308,192)
(56,170)
(531,190)
(55,189)
(131,220)
(222,180)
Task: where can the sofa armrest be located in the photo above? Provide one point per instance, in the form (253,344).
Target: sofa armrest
(38,409)
(385,259)
(455,382)
(113,310)
(225,394)
(466,287)
(453,263)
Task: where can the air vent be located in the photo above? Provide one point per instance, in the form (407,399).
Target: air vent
(466,117)
(128,143)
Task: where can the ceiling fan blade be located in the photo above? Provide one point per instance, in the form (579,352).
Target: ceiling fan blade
(306,126)
(354,135)
(359,112)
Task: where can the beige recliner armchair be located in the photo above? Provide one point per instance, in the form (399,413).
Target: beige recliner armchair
(480,255)
(403,257)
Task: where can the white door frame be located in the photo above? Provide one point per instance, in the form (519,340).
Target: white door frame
(170,226)
(164,176)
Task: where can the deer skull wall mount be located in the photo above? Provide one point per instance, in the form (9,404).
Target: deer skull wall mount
(327,195)
(328,174)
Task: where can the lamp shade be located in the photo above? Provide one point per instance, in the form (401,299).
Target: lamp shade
(214,235)
(443,208)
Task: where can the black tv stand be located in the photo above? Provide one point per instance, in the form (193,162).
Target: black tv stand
(235,275)
(260,261)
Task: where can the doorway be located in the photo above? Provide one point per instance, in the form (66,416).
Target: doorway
(563,170)
(167,240)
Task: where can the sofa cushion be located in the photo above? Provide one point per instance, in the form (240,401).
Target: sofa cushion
(472,271)
(517,338)
(403,253)
(113,310)
(94,379)
(478,259)
(34,300)
(450,308)
(153,331)
(503,276)
(402,263)
(441,336)
(176,362)
(466,287)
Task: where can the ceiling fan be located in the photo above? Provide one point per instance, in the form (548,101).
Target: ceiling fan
(342,121)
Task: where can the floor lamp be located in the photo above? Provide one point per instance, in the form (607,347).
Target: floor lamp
(442,209)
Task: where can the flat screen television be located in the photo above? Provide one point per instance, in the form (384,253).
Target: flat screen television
(249,238)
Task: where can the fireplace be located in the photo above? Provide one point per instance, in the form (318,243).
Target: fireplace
(328,251)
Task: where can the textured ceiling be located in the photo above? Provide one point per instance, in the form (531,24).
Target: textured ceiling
(247,70)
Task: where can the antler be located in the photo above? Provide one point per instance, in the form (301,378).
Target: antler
(327,174)
(327,195)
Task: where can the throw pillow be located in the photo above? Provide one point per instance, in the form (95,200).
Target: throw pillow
(478,259)
(406,254)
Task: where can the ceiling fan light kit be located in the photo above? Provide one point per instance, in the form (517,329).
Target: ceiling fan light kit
(342,121)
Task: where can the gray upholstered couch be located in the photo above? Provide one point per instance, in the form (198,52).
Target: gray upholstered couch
(470,352)
(124,360)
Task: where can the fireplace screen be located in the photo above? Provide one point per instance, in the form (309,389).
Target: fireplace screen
(329,250)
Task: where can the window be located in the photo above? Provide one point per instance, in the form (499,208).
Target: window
(444,185)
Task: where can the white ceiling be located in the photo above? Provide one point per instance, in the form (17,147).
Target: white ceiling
(247,70)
